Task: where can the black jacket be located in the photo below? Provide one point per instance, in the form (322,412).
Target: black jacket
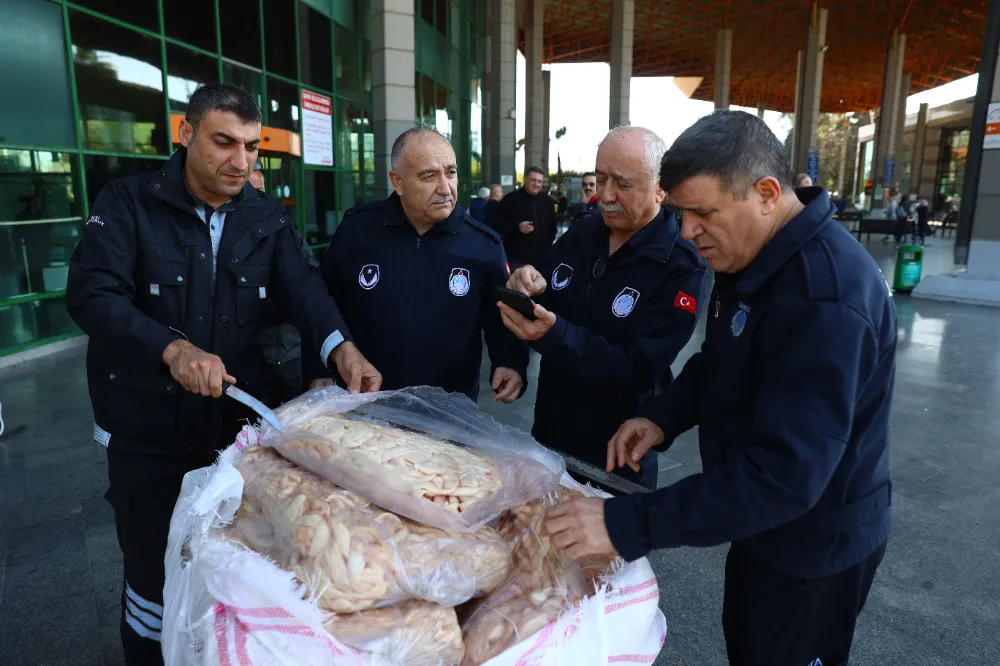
(791,392)
(616,335)
(419,306)
(517,206)
(141,277)
(279,340)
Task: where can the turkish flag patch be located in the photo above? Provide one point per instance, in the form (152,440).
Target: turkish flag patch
(507,266)
(685,302)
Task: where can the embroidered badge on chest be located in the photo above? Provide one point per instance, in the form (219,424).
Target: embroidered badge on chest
(561,276)
(739,321)
(458,281)
(369,275)
(625,302)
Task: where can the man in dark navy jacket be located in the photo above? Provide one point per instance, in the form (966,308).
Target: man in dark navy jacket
(171,282)
(791,393)
(416,279)
(620,301)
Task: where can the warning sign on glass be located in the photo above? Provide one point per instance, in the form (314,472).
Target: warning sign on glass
(317,129)
(991,138)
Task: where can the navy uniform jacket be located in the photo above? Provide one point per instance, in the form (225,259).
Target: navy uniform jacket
(141,278)
(418,306)
(791,392)
(615,335)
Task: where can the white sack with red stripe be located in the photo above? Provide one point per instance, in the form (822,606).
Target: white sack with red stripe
(228,606)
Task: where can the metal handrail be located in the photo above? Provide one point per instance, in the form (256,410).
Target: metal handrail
(54,220)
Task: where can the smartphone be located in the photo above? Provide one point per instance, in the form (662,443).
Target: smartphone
(518,301)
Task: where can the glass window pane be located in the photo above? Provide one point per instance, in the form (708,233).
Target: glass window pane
(366,70)
(141,13)
(349,125)
(283,105)
(103,168)
(186,71)
(279,37)
(279,180)
(34,321)
(441,16)
(246,78)
(346,45)
(316,48)
(179,23)
(39,220)
(120,87)
(36,107)
(241,31)
(322,215)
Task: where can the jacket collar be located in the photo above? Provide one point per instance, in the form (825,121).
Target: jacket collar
(171,186)
(452,224)
(656,240)
(789,240)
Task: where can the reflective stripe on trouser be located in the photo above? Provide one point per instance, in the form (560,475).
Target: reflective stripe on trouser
(144,617)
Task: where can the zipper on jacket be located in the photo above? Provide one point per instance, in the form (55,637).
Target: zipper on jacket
(409,299)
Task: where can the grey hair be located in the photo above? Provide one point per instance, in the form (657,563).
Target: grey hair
(734,146)
(655,147)
(399,145)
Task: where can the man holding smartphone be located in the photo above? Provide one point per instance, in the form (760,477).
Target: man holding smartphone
(620,301)
(526,218)
(417,278)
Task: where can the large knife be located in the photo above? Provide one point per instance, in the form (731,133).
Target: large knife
(610,483)
(253,403)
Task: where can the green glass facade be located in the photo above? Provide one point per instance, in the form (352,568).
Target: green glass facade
(89,88)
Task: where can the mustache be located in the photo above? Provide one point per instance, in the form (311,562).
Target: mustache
(443,200)
(611,208)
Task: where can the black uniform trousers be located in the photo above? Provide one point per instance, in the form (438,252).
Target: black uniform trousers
(772,619)
(143,490)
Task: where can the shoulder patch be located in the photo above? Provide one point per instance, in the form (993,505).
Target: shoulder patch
(357,208)
(691,250)
(821,277)
(483,227)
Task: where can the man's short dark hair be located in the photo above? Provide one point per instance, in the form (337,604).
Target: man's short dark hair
(590,173)
(734,146)
(396,156)
(534,169)
(223,97)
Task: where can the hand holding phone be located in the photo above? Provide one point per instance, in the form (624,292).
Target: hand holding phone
(518,301)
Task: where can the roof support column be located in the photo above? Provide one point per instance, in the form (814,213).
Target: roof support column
(501,88)
(723,67)
(622,29)
(760,110)
(977,240)
(884,162)
(393,99)
(546,107)
(533,43)
(899,149)
(809,89)
(919,146)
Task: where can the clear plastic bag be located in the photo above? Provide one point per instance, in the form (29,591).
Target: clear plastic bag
(543,584)
(415,633)
(419,452)
(351,554)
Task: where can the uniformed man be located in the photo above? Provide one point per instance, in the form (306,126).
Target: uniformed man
(791,393)
(416,279)
(171,282)
(620,301)
(589,204)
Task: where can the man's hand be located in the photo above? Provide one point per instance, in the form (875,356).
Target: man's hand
(526,227)
(360,375)
(507,385)
(634,438)
(195,369)
(527,280)
(524,328)
(577,528)
(322,381)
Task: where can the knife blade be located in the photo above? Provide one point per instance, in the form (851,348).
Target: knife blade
(611,483)
(253,403)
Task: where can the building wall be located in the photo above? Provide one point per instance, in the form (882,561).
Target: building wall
(89,88)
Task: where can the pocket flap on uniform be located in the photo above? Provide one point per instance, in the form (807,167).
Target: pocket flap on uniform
(253,276)
(165,272)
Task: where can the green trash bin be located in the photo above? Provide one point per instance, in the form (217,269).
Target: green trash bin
(909,264)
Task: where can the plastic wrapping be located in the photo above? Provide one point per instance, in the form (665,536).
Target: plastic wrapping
(351,554)
(419,452)
(542,585)
(414,633)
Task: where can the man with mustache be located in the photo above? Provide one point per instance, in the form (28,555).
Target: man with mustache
(620,298)
(171,283)
(416,279)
